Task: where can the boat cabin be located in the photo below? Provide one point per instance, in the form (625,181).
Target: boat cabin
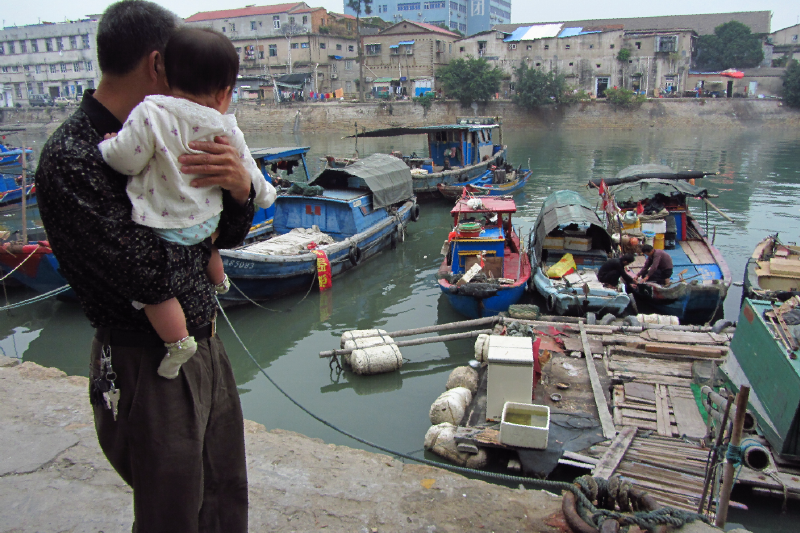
(481,228)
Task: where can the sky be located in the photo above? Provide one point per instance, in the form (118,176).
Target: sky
(784,12)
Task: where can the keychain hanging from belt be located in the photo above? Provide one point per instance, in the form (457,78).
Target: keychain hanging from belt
(104,386)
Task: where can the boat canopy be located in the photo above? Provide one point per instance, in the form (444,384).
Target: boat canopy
(292,153)
(636,172)
(386,176)
(568,207)
(394,132)
(648,188)
(487,205)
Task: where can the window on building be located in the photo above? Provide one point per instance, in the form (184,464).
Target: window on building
(15,68)
(305,19)
(52,69)
(276,22)
(11,49)
(76,66)
(253,25)
(60,43)
(86,42)
(63,67)
(273,50)
(450,48)
(322,46)
(2,49)
(41,87)
(566,47)
(373,49)
(291,21)
(461,49)
(462,28)
(538,64)
(338,46)
(18,90)
(27,68)
(5,69)
(611,46)
(547,47)
(667,43)
(434,5)
(261,54)
(34,45)
(528,47)
(638,45)
(303,45)
(88,65)
(570,64)
(598,65)
(295,46)
(351,48)
(23,47)
(409,6)
(73,42)
(348,86)
(223,29)
(348,64)
(38,69)
(48,45)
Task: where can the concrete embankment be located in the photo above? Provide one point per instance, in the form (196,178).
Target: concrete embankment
(53,477)
(678,113)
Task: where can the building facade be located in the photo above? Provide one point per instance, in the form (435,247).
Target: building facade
(467,16)
(53,59)
(786,43)
(402,59)
(282,39)
(654,62)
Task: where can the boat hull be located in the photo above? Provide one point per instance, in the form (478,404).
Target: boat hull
(426,186)
(478,304)
(453,192)
(562,303)
(36,266)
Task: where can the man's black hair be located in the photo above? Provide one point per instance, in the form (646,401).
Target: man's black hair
(627,258)
(200,61)
(646,248)
(128,31)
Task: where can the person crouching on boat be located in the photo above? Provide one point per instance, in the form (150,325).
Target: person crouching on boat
(657,268)
(614,269)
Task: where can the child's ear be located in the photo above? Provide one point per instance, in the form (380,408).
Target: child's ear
(223,94)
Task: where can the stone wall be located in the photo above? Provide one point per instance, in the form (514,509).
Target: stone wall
(343,117)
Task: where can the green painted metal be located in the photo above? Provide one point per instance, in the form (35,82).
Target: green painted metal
(773,376)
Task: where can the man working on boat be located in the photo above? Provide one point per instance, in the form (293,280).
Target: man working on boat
(614,269)
(179,443)
(657,268)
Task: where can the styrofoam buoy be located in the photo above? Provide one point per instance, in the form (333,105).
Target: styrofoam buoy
(363,338)
(376,359)
(463,376)
(450,406)
(481,347)
(665,320)
(441,440)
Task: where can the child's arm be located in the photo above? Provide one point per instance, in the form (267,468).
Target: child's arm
(133,147)
(265,192)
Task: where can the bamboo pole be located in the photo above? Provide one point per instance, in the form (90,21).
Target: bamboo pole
(710,471)
(736,439)
(489,320)
(718,210)
(416,342)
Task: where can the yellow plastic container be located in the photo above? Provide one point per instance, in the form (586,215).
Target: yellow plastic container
(658,242)
(634,226)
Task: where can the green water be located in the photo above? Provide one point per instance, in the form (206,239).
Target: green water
(758,186)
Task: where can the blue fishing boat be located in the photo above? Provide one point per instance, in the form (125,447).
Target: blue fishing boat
(485,269)
(270,161)
(568,224)
(456,152)
(11,161)
(347,215)
(32,265)
(701,277)
(11,191)
(497,182)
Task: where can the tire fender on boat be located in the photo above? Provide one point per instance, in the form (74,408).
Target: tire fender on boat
(551,303)
(414,212)
(354,255)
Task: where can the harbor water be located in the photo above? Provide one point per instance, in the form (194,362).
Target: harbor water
(758,185)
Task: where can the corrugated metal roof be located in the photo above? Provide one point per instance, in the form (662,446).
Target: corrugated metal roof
(569,32)
(244,12)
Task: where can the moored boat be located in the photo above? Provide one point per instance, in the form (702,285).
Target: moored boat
(700,276)
(355,213)
(11,160)
(498,182)
(567,224)
(485,269)
(11,191)
(32,265)
(456,152)
(772,271)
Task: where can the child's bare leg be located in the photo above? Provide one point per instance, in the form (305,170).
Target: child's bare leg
(216,272)
(169,322)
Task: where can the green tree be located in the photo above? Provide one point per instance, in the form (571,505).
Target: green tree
(731,46)
(621,97)
(470,80)
(534,87)
(358,6)
(791,84)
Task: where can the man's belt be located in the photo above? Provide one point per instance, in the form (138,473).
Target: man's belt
(146,339)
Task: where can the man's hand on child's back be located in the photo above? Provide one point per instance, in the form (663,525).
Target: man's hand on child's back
(220,165)
(108,136)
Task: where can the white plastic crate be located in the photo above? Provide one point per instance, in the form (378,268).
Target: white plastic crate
(525,425)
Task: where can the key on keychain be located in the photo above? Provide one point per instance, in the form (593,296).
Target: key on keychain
(112,399)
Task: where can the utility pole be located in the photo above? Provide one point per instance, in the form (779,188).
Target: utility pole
(355,5)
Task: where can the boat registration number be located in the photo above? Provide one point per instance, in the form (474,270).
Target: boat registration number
(238,264)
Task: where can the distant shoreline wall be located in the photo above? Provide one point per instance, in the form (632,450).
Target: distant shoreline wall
(342,117)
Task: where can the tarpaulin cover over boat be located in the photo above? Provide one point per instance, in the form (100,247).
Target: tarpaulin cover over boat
(568,207)
(648,188)
(387,177)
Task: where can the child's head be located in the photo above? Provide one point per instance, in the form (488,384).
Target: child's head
(201,62)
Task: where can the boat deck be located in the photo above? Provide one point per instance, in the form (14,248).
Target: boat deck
(692,256)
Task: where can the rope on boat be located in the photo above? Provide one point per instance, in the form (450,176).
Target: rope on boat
(22,263)
(662,516)
(37,298)
(313,280)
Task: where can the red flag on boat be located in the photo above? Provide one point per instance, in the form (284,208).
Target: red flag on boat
(639,208)
(323,270)
(603,188)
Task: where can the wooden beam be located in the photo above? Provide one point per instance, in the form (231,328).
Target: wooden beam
(684,349)
(687,414)
(662,411)
(608,463)
(606,421)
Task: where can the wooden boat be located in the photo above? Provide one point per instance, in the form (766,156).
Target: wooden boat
(701,277)
(567,223)
(32,265)
(482,235)
(491,183)
(363,209)
(11,191)
(470,143)
(11,161)
(764,357)
(773,271)
(272,160)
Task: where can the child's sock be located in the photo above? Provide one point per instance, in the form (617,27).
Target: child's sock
(177,353)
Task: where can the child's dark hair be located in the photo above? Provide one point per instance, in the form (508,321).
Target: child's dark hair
(200,61)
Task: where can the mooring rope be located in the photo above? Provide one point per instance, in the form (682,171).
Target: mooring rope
(22,263)
(37,298)
(669,516)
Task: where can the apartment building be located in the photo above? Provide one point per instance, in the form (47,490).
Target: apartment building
(466,16)
(55,59)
